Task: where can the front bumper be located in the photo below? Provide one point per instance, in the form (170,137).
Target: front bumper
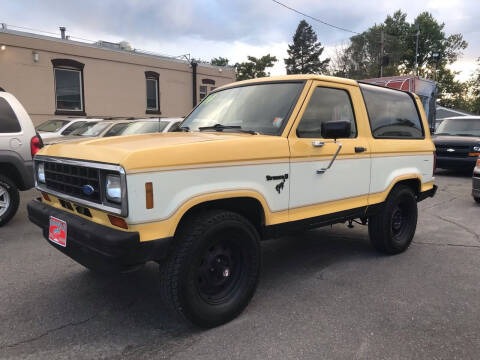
(450,162)
(96,246)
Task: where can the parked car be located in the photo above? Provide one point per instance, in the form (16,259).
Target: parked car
(108,128)
(18,144)
(255,160)
(476,182)
(61,127)
(457,140)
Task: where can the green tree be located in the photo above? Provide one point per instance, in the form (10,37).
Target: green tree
(220,61)
(474,91)
(254,67)
(305,51)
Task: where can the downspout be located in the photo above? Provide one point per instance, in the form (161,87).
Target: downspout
(194,82)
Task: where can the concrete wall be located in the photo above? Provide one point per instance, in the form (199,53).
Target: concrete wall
(114,81)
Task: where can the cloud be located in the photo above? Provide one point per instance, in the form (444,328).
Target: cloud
(235,28)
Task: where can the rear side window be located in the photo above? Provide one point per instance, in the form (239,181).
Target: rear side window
(8,120)
(392,113)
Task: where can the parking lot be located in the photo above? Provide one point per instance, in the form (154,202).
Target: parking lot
(323,294)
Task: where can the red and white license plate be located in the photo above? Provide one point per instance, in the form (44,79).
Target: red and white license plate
(57,231)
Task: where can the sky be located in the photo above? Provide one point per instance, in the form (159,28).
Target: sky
(234,28)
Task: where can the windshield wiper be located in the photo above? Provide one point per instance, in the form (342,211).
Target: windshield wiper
(220,127)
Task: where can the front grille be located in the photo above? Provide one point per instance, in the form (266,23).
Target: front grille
(459,150)
(70,180)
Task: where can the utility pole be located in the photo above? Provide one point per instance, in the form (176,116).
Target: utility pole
(416,50)
(382,40)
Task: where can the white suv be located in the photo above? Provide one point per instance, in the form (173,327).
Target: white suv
(61,126)
(18,145)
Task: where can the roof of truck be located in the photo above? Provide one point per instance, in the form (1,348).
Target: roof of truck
(294,78)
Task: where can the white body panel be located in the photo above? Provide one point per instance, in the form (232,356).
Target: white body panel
(386,169)
(346,178)
(173,188)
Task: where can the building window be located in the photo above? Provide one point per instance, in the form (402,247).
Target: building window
(203,91)
(153,93)
(69,97)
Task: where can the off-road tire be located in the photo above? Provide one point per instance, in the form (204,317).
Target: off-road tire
(185,276)
(392,229)
(13,199)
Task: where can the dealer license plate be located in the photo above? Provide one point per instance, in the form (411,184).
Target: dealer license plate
(57,232)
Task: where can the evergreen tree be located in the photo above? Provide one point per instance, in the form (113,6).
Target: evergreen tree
(220,61)
(304,54)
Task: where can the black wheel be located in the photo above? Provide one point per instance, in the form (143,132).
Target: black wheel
(9,199)
(213,270)
(477,199)
(392,229)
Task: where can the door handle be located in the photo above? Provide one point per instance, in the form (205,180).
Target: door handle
(359,149)
(317,143)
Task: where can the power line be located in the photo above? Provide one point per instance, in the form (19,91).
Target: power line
(315,19)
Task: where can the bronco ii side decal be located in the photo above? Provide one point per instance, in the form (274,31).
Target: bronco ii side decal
(279,186)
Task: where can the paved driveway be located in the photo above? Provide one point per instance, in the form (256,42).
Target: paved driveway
(323,294)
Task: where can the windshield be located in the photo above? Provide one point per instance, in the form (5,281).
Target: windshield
(51,125)
(91,129)
(460,127)
(144,127)
(262,108)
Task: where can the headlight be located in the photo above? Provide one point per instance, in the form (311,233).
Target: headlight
(113,188)
(476,148)
(41,173)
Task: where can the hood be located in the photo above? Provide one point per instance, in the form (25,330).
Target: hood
(150,151)
(455,140)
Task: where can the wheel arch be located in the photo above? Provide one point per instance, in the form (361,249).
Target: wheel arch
(249,204)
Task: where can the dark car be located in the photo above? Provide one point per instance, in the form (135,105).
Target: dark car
(476,182)
(457,140)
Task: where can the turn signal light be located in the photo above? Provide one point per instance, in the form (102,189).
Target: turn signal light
(116,221)
(474,154)
(45,196)
(149,195)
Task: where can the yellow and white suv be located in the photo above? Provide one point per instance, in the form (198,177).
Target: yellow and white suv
(255,160)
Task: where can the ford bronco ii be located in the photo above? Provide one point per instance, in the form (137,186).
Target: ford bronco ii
(254,160)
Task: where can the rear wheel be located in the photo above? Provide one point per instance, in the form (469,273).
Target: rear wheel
(9,199)
(392,229)
(213,271)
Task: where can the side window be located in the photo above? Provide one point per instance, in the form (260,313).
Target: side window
(153,92)
(73,127)
(175,127)
(68,76)
(392,113)
(326,104)
(8,119)
(116,130)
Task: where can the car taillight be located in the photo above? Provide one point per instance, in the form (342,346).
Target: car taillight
(35,145)
(434,162)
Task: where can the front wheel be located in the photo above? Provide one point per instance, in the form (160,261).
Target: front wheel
(213,271)
(392,229)
(9,199)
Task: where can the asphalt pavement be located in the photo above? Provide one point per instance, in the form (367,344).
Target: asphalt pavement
(323,294)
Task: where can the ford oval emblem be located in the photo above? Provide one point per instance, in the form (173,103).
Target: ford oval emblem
(88,189)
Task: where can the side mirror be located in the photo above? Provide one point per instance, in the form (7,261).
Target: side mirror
(336,129)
